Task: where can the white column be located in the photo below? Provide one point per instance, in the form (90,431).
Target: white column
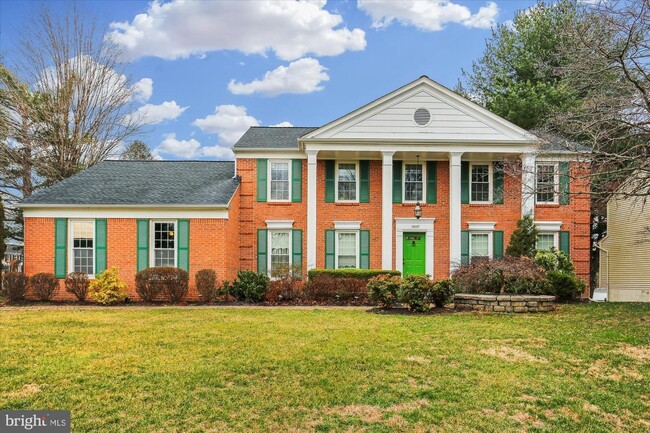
(311,208)
(454,209)
(387,210)
(528,184)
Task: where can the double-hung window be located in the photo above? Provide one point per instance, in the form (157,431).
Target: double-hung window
(280,251)
(347,184)
(164,243)
(279,180)
(347,249)
(413,182)
(547,183)
(82,235)
(480,245)
(546,241)
(480,180)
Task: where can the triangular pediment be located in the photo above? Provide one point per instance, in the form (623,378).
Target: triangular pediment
(450,118)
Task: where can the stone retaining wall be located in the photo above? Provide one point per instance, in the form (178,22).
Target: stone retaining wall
(504,303)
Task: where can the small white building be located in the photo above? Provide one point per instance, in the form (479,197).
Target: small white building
(625,251)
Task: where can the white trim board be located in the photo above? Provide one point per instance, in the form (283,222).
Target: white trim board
(138,213)
(414,225)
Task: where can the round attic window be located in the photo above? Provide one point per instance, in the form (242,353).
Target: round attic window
(422,117)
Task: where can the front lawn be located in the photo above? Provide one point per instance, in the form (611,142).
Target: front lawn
(583,368)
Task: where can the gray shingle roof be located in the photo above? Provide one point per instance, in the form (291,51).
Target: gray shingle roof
(144,183)
(271,137)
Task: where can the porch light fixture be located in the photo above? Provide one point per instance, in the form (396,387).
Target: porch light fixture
(418,209)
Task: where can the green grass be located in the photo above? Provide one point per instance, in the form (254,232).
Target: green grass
(583,368)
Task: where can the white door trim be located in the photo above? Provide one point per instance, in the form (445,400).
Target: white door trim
(407,225)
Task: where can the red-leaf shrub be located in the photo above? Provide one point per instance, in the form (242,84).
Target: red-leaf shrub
(77,284)
(167,281)
(508,275)
(44,285)
(14,286)
(206,284)
(285,286)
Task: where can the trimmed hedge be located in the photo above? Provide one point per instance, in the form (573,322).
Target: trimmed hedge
(341,286)
(44,285)
(365,274)
(14,285)
(167,281)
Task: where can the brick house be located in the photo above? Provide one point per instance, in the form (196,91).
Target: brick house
(341,195)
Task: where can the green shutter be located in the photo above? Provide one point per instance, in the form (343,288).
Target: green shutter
(464,247)
(564,182)
(364,181)
(296,180)
(329,181)
(330,235)
(432,181)
(143,245)
(183,244)
(296,251)
(60,247)
(397,181)
(364,247)
(464,182)
(100,246)
(497,244)
(565,246)
(262,241)
(261,179)
(497,183)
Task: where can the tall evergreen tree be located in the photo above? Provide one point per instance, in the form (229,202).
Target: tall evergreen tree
(137,150)
(523,239)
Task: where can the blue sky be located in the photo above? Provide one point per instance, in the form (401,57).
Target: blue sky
(207,70)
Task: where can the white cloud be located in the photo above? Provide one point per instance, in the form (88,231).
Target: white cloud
(143,89)
(229,121)
(428,15)
(179,28)
(151,114)
(284,124)
(179,148)
(219,152)
(302,76)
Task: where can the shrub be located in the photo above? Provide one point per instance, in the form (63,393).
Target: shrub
(249,286)
(285,285)
(346,273)
(509,275)
(14,286)
(107,288)
(565,285)
(77,284)
(554,260)
(415,291)
(383,290)
(442,291)
(341,286)
(168,281)
(523,239)
(206,284)
(44,285)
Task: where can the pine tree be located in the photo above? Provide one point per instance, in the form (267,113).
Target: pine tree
(523,239)
(137,151)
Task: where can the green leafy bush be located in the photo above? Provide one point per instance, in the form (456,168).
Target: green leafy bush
(77,283)
(554,260)
(341,286)
(14,285)
(249,286)
(565,285)
(383,290)
(108,288)
(351,273)
(43,285)
(515,275)
(415,291)
(206,284)
(442,291)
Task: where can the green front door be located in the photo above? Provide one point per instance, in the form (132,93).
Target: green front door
(414,254)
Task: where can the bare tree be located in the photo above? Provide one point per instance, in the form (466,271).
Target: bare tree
(64,105)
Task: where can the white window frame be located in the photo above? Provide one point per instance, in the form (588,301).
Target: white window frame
(336,181)
(556,239)
(338,244)
(490,182)
(270,248)
(489,234)
(424,181)
(268,179)
(152,241)
(556,182)
(71,244)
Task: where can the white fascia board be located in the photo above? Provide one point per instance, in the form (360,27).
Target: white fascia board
(481,226)
(347,225)
(462,147)
(548,226)
(270,154)
(279,224)
(140,212)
